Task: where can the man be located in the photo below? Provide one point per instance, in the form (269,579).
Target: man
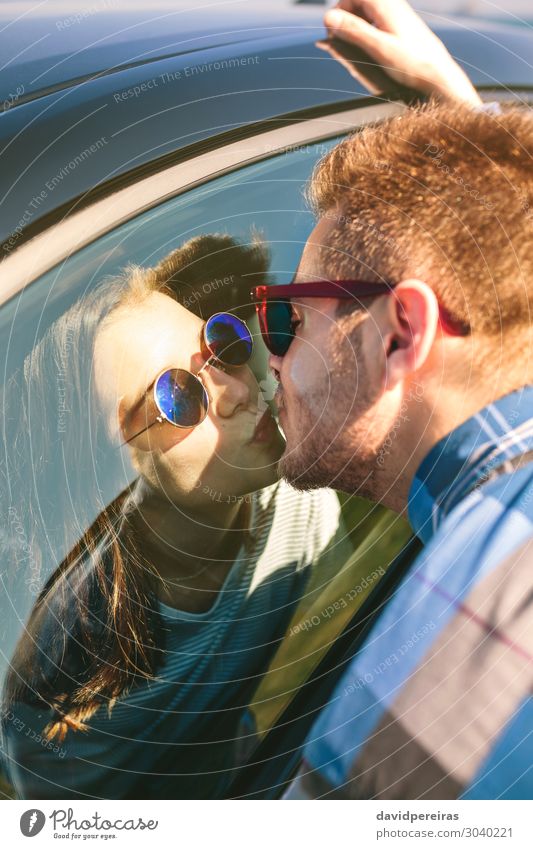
(419,396)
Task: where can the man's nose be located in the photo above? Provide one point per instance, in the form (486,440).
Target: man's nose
(274,363)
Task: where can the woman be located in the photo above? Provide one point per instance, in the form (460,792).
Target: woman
(146,641)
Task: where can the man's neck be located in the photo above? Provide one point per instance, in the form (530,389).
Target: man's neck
(436,413)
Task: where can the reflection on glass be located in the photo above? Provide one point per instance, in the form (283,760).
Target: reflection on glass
(146,586)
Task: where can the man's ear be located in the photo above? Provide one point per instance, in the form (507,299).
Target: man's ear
(410,326)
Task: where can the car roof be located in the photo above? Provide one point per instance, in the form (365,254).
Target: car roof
(54,43)
(97,94)
(50,44)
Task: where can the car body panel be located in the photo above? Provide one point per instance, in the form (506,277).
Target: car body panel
(60,42)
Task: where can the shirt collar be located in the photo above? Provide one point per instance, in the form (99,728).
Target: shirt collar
(498,433)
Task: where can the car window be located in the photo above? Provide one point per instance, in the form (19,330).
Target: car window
(77,344)
(264,200)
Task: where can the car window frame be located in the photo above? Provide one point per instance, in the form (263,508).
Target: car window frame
(61,240)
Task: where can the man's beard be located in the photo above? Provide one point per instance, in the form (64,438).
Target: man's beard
(330,458)
(315,462)
(339,443)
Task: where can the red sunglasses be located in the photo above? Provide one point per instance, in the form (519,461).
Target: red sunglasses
(274,310)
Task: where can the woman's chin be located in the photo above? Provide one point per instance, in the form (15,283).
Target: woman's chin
(261,477)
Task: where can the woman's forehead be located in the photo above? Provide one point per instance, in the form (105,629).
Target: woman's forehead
(158,317)
(142,338)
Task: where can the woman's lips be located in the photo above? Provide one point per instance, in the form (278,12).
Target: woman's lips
(266,428)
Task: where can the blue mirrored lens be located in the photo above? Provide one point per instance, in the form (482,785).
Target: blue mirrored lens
(181,397)
(228,339)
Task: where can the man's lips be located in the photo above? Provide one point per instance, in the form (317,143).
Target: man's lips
(266,428)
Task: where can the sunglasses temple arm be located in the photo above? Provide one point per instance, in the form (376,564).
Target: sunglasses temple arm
(135,435)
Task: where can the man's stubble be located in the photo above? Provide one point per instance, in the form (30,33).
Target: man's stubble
(334,445)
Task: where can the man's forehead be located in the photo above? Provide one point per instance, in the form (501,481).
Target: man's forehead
(315,252)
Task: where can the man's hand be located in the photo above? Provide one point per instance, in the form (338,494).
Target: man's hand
(393,35)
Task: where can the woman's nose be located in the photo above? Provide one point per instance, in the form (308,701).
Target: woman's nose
(234,392)
(229,388)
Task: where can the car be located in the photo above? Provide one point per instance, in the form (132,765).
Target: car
(125,132)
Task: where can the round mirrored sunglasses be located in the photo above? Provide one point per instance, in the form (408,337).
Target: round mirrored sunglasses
(179,395)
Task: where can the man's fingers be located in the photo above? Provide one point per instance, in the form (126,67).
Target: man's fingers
(388,15)
(355,69)
(350,28)
(396,38)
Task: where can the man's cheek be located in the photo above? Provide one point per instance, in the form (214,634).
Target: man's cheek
(305,370)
